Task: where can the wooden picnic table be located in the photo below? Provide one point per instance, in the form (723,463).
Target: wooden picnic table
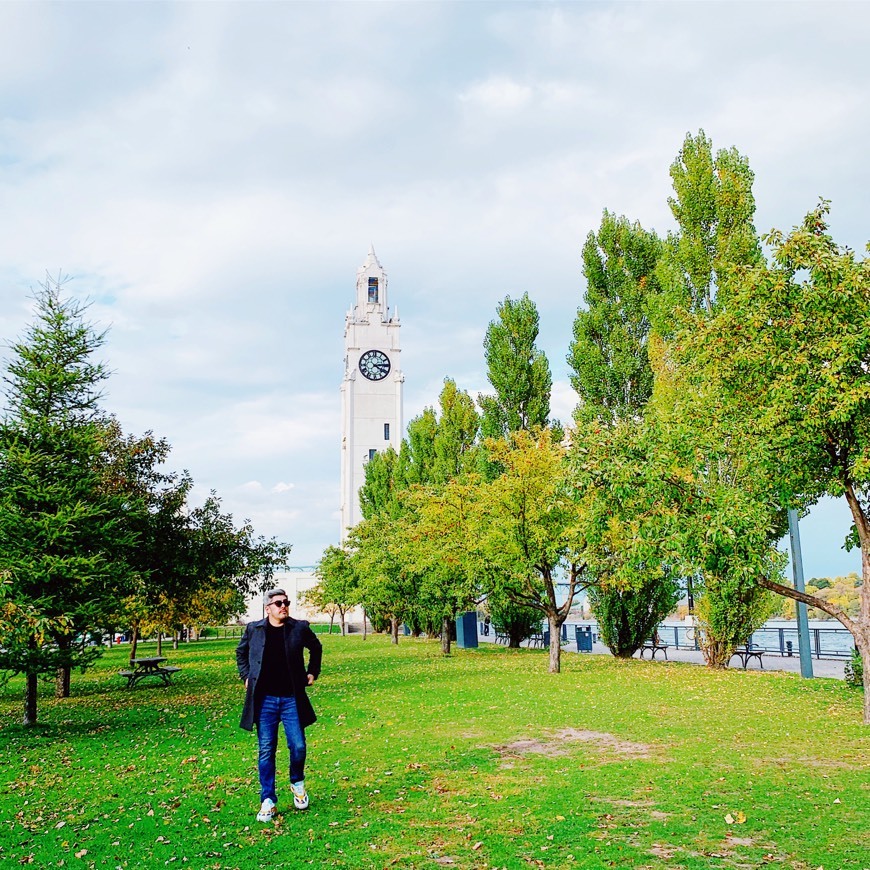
(149,667)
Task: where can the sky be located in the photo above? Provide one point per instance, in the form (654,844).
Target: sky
(211,175)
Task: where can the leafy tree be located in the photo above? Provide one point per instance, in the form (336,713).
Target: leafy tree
(714,208)
(628,616)
(608,356)
(437,545)
(517,622)
(338,586)
(63,542)
(716,243)
(388,590)
(629,492)
(530,530)
(518,371)
(613,377)
(455,438)
(418,456)
(791,353)
(379,492)
(844,592)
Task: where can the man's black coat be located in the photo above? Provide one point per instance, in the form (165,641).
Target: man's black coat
(249,657)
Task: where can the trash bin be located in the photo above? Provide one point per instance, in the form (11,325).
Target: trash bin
(466,630)
(583,635)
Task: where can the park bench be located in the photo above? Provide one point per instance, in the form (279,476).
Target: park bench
(149,667)
(501,637)
(654,644)
(539,639)
(748,651)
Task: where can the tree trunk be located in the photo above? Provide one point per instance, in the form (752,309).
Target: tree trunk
(365,624)
(445,635)
(343,625)
(62,678)
(160,643)
(134,639)
(717,653)
(31,685)
(394,629)
(62,682)
(175,635)
(555,665)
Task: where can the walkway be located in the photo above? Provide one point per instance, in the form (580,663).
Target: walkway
(833,668)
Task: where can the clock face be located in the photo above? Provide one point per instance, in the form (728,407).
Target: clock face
(374,364)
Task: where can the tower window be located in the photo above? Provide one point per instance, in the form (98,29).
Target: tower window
(373,289)
(372,453)
(386,431)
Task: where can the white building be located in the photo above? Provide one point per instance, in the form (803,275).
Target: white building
(295,582)
(371,391)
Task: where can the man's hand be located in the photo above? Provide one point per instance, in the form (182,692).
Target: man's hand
(311,679)
(246,685)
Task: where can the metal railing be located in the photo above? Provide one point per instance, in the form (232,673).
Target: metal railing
(825,643)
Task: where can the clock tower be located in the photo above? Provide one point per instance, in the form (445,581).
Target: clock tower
(371,392)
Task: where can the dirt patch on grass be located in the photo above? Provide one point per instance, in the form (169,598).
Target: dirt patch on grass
(560,743)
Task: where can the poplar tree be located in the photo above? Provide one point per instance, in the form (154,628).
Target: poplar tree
(517,370)
(609,355)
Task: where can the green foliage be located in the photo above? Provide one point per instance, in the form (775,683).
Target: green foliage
(608,356)
(64,546)
(338,584)
(93,531)
(789,354)
(627,617)
(714,209)
(456,434)
(528,526)
(379,492)
(517,622)
(854,670)
(517,370)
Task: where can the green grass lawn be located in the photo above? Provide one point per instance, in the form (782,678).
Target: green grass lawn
(479,760)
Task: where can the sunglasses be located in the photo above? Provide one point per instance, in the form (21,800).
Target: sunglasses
(282,603)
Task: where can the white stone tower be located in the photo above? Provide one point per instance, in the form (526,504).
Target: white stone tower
(371,392)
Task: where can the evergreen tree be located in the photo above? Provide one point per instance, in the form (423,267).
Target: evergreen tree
(64,543)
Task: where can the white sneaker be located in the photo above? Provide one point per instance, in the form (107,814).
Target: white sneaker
(267,811)
(300,796)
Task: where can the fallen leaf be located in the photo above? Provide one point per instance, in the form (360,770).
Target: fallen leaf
(729,819)
(476,846)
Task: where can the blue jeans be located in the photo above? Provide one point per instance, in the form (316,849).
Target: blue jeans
(271,711)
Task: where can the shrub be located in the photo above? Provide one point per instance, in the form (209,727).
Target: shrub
(854,672)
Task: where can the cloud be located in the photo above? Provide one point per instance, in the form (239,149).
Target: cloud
(212,176)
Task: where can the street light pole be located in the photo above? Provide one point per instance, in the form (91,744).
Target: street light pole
(797,567)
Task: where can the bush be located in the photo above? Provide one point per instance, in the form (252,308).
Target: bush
(854,672)
(627,617)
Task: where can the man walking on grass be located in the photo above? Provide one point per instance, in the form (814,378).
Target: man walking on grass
(272,665)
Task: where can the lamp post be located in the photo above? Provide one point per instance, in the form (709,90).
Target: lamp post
(797,567)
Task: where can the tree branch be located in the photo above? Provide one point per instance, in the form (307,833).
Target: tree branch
(811,600)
